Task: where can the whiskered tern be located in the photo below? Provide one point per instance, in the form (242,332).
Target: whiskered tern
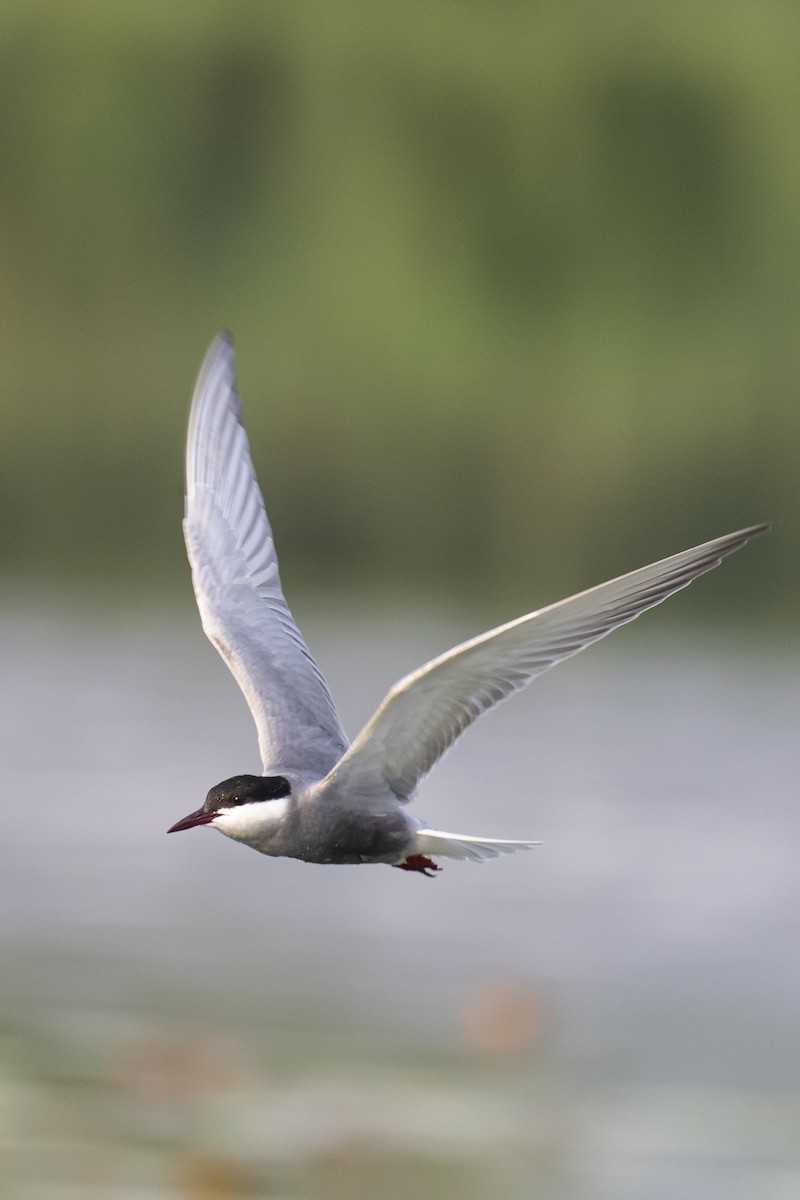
(321,798)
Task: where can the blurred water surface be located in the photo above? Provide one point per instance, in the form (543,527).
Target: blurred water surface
(611,1015)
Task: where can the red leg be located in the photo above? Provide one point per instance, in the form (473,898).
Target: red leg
(418,862)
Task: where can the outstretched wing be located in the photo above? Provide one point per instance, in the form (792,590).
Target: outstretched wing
(236,582)
(424,713)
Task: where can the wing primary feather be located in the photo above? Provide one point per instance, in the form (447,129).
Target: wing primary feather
(237,583)
(424,713)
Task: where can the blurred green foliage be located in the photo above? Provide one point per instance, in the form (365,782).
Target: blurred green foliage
(515,286)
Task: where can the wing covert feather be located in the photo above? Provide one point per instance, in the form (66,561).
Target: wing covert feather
(424,713)
(237,585)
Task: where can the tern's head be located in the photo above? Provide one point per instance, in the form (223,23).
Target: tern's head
(243,807)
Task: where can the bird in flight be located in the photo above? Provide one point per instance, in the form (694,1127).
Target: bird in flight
(321,798)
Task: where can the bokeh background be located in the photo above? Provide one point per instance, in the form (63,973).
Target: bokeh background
(515,294)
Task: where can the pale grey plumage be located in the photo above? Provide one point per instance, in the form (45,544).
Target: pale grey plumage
(425,712)
(338,803)
(238,589)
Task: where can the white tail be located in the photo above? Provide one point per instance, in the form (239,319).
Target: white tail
(453,845)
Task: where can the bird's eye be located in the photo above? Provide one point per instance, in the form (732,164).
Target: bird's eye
(247,789)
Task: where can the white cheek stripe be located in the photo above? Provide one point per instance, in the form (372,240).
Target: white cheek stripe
(250,820)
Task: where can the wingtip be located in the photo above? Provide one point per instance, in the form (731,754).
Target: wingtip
(748,534)
(756,530)
(220,349)
(220,343)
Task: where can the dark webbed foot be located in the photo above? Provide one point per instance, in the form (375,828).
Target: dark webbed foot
(419,862)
